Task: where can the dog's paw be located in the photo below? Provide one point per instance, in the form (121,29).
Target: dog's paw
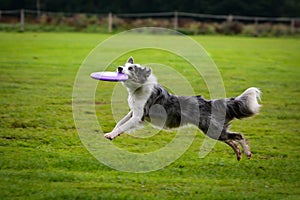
(248,154)
(110,136)
(238,157)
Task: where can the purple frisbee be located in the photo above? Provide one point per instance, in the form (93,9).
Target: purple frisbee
(109,76)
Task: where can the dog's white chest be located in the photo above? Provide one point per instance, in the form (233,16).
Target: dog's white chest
(138,98)
(136,102)
(131,102)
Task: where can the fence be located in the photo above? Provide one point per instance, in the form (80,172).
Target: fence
(19,16)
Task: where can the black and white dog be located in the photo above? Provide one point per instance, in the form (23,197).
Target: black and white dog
(150,101)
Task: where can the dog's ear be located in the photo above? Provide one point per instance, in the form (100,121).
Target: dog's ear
(148,72)
(130,60)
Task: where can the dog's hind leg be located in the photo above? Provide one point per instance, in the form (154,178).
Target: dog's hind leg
(229,138)
(237,137)
(235,147)
(233,139)
(246,147)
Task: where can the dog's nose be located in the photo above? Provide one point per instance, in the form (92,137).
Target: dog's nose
(120,69)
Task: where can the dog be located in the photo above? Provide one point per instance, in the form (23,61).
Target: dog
(149,101)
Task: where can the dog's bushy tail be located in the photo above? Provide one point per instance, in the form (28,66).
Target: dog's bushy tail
(245,105)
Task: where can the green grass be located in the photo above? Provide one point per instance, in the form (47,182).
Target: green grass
(42,156)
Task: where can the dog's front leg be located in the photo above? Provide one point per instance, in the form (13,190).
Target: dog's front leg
(128,122)
(121,122)
(124,120)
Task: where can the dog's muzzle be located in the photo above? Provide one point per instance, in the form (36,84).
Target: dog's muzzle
(120,69)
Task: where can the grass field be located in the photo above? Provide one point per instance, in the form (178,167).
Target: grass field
(42,156)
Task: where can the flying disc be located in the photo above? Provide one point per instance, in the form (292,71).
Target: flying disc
(109,76)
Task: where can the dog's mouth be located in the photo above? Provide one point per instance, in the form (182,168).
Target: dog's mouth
(120,70)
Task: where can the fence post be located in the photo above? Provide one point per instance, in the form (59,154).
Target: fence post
(22,20)
(110,21)
(175,20)
(0,14)
(292,26)
(256,26)
(38,8)
(229,18)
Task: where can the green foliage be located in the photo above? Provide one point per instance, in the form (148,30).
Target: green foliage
(43,158)
(93,23)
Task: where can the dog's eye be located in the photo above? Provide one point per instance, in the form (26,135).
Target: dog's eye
(130,68)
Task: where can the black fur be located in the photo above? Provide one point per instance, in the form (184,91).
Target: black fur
(150,101)
(182,110)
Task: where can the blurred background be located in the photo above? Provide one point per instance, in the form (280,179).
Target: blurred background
(230,17)
(44,45)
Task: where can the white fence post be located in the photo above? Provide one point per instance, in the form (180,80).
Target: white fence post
(110,21)
(38,8)
(175,20)
(256,25)
(22,20)
(292,26)
(291,23)
(229,18)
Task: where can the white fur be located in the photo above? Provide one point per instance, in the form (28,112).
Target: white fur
(140,90)
(138,96)
(251,95)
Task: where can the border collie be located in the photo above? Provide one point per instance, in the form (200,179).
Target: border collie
(149,101)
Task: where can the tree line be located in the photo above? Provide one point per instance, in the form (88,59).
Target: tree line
(265,8)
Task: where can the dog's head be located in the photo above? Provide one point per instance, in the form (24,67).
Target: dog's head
(137,74)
